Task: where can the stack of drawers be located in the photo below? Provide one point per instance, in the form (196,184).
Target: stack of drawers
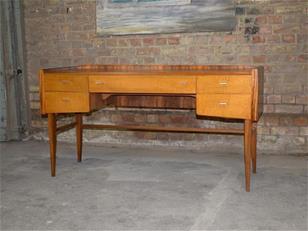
(65,93)
(225,96)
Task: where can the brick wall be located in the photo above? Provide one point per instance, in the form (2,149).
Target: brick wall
(62,33)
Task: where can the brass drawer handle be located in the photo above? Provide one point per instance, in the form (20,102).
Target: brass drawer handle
(183,83)
(64,81)
(65,99)
(99,82)
(224,83)
(223,103)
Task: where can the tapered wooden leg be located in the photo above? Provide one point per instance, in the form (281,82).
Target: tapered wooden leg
(79,136)
(52,133)
(247,152)
(254,149)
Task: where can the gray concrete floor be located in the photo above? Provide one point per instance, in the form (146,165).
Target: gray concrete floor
(135,188)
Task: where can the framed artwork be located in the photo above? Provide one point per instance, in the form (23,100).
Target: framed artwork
(123,17)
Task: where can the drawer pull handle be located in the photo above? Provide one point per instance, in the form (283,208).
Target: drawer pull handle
(64,81)
(183,83)
(223,83)
(66,100)
(99,82)
(223,103)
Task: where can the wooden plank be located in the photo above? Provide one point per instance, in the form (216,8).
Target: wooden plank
(124,83)
(164,129)
(65,128)
(170,102)
(3,110)
(137,18)
(14,104)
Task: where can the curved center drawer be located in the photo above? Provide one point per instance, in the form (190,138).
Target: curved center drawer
(143,84)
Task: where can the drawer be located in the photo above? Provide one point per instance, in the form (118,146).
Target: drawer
(72,83)
(221,105)
(142,84)
(225,84)
(62,102)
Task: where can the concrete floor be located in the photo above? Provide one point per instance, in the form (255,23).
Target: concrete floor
(134,188)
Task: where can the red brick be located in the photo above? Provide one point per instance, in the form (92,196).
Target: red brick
(284,131)
(273,38)
(263,131)
(288,38)
(283,29)
(258,39)
(161,41)
(148,51)
(128,117)
(302,99)
(274,99)
(230,38)
(259,59)
(302,58)
(268,108)
(180,119)
(286,121)
(146,135)
(148,60)
(173,41)
(164,119)
(123,42)
(268,90)
(265,29)
(140,118)
(274,19)
(261,20)
(152,118)
(301,121)
(304,131)
(302,38)
(293,109)
(111,42)
(135,42)
(115,118)
(288,99)
(214,39)
(271,120)
(245,59)
(148,41)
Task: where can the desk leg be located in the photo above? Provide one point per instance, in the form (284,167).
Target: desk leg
(79,136)
(52,133)
(254,149)
(247,151)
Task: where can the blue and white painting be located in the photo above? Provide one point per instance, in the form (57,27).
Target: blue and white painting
(123,17)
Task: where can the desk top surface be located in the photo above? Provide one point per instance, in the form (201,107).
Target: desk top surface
(155,69)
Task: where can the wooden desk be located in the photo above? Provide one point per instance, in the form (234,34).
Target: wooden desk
(219,91)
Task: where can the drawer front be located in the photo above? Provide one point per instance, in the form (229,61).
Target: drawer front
(62,102)
(221,105)
(142,84)
(225,84)
(72,83)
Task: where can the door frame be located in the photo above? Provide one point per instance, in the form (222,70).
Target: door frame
(14,102)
